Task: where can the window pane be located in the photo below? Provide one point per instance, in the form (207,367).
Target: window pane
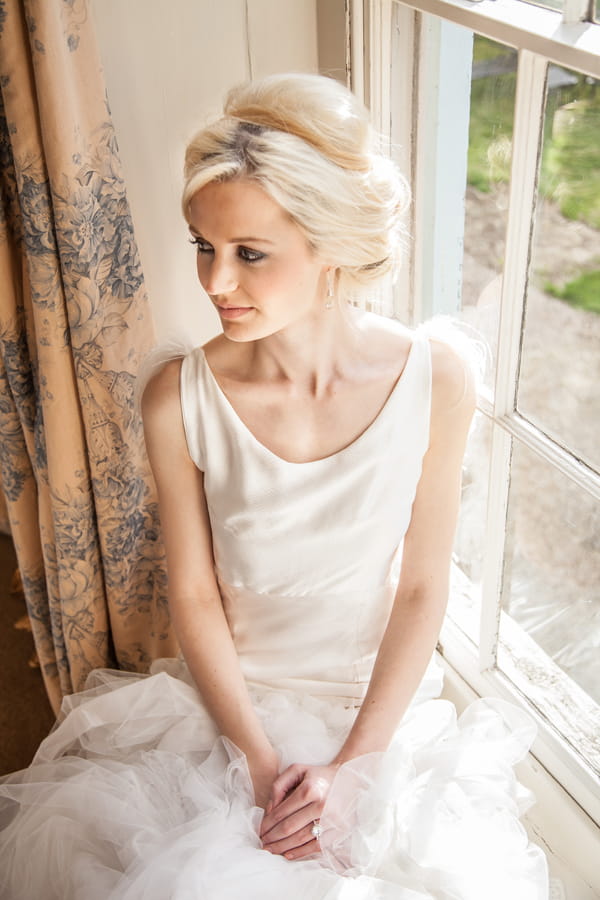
(551,586)
(560,361)
(488,174)
(549,4)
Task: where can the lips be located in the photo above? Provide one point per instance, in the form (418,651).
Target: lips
(232,312)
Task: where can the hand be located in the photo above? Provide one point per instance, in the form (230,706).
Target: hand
(298,798)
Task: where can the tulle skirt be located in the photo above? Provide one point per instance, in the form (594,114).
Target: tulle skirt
(134,796)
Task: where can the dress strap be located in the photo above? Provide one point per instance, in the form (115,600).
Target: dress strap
(194,408)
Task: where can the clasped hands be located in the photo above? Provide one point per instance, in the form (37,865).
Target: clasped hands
(297,799)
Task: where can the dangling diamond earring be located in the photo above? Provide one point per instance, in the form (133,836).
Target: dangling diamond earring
(330,291)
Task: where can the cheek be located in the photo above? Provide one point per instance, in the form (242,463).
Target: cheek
(202,269)
(294,279)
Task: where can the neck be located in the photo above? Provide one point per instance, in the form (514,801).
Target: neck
(312,354)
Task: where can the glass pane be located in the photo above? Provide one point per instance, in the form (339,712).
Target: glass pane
(464,605)
(493,82)
(549,4)
(560,361)
(551,586)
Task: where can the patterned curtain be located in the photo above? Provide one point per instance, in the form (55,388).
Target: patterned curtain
(74,325)
(4,523)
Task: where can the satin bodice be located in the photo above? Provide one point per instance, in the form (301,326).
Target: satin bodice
(307,554)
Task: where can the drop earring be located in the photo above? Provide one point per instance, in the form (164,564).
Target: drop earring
(330,291)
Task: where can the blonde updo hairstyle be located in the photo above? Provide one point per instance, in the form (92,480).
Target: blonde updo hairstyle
(306,140)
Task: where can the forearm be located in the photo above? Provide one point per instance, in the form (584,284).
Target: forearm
(404,653)
(210,654)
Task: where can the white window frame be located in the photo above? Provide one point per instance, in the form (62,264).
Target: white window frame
(414,52)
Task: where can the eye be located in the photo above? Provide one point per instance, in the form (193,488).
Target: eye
(202,246)
(249,255)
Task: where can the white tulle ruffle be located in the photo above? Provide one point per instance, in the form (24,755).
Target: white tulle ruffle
(134,797)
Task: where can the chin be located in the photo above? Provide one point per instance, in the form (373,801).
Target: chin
(240,333)
(244,332)
(238,338)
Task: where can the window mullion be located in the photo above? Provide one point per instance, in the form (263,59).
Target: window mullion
(499,482)
(380,52)
(404,46)
(551,451)
(356,34)
(575,11)
(442,139)
(527,136)
(529,113)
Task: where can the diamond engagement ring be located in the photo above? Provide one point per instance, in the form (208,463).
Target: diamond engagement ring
(316,830)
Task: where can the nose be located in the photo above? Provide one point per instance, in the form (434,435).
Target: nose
(217,274)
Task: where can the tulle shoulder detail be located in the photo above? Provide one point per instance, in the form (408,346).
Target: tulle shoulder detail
(463,339)
(158,357)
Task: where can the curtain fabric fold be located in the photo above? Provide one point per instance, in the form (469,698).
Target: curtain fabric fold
(4,523)
(74,326)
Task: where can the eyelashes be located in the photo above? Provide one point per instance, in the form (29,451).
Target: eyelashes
(201,245)
(249,255)
(246,254)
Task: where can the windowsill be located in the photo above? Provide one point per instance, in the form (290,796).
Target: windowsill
(567,718)
(556,822)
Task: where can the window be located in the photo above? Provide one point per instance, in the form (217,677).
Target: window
(494,111)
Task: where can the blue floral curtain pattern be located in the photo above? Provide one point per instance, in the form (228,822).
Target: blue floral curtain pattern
(74,326)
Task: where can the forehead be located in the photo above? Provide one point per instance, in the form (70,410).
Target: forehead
(236,208)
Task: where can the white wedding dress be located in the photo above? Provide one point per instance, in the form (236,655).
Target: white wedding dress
(134,794)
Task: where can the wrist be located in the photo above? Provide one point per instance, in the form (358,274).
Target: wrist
(264,761)
(263,769)
(354,749)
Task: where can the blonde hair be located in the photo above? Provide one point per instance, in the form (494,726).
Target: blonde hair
(306,140)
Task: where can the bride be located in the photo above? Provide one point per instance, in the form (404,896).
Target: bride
(308,465)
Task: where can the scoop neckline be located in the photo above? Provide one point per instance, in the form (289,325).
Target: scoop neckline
(321,459)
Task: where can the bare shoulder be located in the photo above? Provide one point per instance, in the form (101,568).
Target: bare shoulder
(162,416)
(164,429)
(161,393)
(453,379)
(453,389)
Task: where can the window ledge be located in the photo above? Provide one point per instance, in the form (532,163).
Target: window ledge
(567,718)
(556,822)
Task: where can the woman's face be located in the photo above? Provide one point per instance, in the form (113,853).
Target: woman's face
(253,261)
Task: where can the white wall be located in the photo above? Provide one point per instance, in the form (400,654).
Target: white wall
(168,66)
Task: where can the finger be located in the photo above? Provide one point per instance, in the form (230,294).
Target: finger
(282,806)
(292,842)
(295,823)
(279,814)
(310,790)
(308,849)
(286,782)
(300,801)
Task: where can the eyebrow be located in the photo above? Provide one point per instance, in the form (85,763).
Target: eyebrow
(237,240)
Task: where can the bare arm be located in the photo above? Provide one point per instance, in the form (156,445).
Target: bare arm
(415,620)
(422,593)
(194,598)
